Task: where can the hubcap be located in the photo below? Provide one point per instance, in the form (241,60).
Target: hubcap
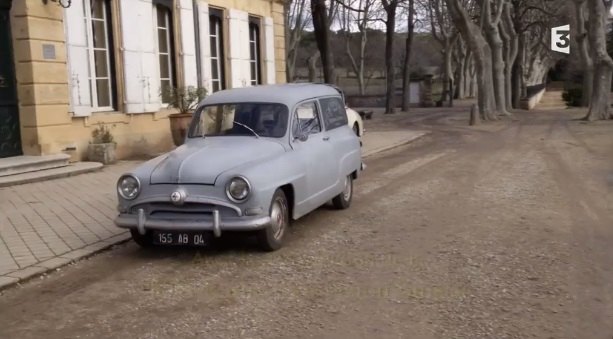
(347,192)
(277,216)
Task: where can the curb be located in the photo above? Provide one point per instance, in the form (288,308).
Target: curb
(28,273)
(395,145)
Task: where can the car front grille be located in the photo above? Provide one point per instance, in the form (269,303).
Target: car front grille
(189,210)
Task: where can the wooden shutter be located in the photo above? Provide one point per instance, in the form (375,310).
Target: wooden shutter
(269,51)
(205,45)
(78,60)
(239,48)
(141,64)
(188,43)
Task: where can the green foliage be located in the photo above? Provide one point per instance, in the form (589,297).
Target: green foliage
(184,99)
(573,96)
(102,135)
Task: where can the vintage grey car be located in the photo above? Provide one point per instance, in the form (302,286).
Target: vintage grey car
(253,159)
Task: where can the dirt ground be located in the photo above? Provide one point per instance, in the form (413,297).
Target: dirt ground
(499,231)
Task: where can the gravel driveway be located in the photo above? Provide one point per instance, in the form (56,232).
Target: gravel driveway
(499,231)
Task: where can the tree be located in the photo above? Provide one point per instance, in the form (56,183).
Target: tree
(390,7)
(321,25)
(581,39)
(447,37)
(406,76)
(361,16)
(482,54)
(296,21)
(491,18)
(603,64)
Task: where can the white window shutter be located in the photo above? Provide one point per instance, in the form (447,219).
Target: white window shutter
(269,51)
(141,65)
(205,46)
(188,43)
(78,60)
(239,48)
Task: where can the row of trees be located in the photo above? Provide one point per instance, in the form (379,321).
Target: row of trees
(502,46)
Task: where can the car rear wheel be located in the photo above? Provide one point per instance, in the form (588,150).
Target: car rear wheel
(343,200)
(142,240)
(271,238)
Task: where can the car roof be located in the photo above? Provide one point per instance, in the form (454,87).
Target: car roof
(288,94)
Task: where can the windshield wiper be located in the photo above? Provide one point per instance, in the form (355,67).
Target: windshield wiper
(247,127)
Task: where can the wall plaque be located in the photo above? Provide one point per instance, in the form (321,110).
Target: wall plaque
(48,52)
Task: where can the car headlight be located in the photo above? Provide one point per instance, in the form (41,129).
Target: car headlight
(238,189)
(128,187)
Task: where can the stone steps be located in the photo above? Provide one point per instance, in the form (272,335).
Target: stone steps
(30,163)
(50,173)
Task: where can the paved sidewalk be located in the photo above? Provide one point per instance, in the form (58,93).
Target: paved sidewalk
(45,225)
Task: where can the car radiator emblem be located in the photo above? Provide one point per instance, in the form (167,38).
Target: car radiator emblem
(177,198)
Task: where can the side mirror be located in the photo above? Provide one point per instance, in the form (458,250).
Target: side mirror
(301,136)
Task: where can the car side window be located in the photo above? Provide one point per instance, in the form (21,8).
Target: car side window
(333,111)
(306,119)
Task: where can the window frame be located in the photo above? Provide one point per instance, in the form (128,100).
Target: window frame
(295,117)
(109,48)
(255,27)
(218,62)
(170,41)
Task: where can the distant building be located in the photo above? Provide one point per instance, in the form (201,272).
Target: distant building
(65,70)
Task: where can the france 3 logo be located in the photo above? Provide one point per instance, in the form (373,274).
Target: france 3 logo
(560,39)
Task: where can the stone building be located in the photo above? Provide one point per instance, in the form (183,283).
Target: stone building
(68,65)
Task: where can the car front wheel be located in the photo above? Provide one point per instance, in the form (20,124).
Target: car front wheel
(356,129)
(343,200)
(271,238)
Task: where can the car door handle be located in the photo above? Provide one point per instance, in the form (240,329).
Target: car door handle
(326,138)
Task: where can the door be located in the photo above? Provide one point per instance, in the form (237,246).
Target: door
(316,153)
(10,139)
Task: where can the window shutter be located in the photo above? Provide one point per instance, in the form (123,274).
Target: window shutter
(141,65)
(78,60)
(269,51)
(239,48)
(188,43)
(205,45)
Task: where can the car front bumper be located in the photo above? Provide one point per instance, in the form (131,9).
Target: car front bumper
(205,223)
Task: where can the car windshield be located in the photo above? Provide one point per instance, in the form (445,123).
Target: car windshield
(245,119)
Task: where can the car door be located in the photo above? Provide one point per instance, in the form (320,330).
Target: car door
(345,144)
(314,150)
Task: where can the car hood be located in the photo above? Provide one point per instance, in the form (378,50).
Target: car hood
(202,161)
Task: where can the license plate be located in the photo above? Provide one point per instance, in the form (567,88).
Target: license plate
(180,238)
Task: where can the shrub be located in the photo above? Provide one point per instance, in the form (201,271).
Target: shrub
(184,99)
(102,135)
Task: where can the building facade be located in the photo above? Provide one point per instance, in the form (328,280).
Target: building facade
(64,71)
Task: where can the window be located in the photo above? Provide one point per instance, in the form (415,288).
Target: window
(254,51)
(241,119)
(333,112)
(100,53)
(165,50)
(217,50)
(306,119)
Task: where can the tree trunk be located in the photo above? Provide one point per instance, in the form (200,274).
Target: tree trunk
(312,63)
(447,71)
(406,77)
(518,69)
(482,53)
(390,25)
(600,102)
(461,71)
(587,64)
(509,36)
(492,35)
(322,36)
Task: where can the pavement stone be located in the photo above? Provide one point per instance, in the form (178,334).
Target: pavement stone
(48,224)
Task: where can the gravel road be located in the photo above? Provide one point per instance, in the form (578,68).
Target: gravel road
(503,230)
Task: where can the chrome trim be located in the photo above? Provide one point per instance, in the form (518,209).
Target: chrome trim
(196,199)
(216,229)
(137,181)
(141,221)
(230,195)
(227,224)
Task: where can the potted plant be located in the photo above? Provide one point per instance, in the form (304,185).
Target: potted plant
(102,147)
(185,100)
